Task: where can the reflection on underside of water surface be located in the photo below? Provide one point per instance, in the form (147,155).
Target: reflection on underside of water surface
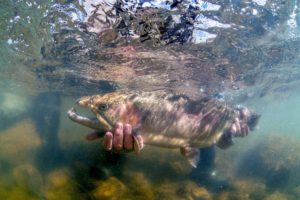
(240,52)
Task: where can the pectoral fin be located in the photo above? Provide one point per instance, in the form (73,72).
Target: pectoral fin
(192,155)
(138,143)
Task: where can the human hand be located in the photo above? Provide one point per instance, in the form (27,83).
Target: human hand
(241,125)
(119,139)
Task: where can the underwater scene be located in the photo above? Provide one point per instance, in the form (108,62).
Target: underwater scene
(150,99)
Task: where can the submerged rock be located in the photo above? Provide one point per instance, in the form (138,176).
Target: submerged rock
(277,196)
(182,190)
(19,143)
(17,193)
(110,189)
(139,187)
(250,188)
(59,185)
(29,176)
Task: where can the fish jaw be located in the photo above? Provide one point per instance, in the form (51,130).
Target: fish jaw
(100,107)
(98,122)
(101,125)
(108,109)
(85,121)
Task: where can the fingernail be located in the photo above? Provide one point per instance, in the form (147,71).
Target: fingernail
(119,125)
(118,132)
(108,141)
(127,128)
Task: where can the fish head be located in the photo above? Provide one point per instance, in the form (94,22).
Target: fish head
(110,108)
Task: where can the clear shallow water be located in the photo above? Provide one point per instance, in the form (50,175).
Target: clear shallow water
(243,51)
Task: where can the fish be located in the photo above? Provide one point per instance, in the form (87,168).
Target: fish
(163,119)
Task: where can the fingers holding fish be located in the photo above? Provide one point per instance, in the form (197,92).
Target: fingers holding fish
(108,141)
(244,129)
(118,137)
(121,138)
(128,140)
(239,127)
(245,113)
(236,127)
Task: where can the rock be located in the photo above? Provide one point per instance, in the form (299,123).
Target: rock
(139,187)
(15,185)
(58,178)
(168,190)
(110,189)
(182,190)
(197,192)
(247,189)
(19,143)
(17,193)
(277,196)
(233,196)
(28,175)
(59,185)
(250,188)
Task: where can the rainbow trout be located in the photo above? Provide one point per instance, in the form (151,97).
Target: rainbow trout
(164,120)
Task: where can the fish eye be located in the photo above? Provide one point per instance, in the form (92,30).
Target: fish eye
(103,107)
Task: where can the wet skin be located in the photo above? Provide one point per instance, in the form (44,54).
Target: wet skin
(121,137)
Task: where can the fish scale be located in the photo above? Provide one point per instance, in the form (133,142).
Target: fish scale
(164,120)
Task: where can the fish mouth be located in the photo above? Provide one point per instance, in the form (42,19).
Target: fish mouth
(99,122)
(102,119)
(91,122)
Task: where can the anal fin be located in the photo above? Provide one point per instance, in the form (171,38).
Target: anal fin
(192,154)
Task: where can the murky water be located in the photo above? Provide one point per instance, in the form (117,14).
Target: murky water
(241,52)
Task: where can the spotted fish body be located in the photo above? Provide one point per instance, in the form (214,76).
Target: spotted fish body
(171,121)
